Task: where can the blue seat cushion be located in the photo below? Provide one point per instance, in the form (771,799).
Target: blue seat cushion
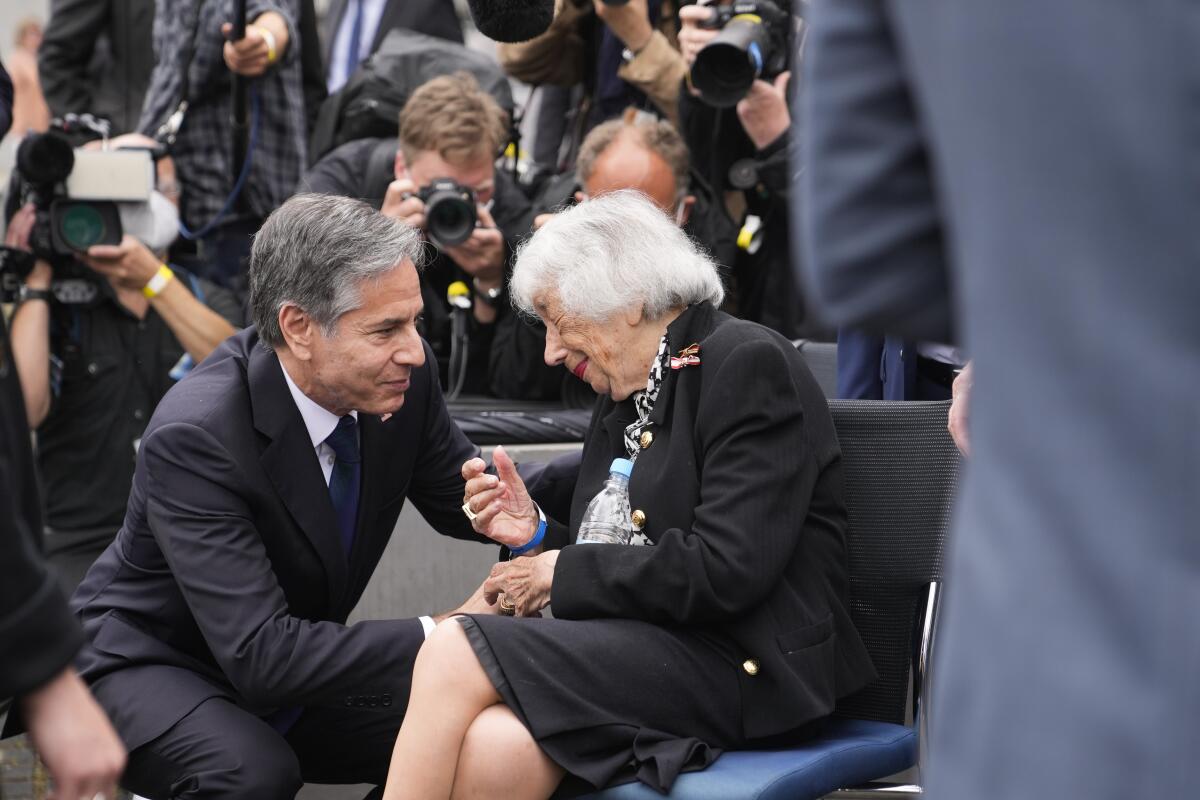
(847,753)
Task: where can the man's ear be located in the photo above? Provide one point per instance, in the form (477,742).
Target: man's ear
(685,210)
(399,166)
(298,331)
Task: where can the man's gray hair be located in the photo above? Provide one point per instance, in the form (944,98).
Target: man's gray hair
(611,253)
(314,252)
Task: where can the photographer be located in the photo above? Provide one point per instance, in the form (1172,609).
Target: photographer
(622,54)
(743,153)
(93,372)
(194,64)
(450,132)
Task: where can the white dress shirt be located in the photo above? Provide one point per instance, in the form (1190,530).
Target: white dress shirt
(320,422)
(372,11)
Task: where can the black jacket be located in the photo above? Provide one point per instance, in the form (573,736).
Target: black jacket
(741,489)
(38,637)
(97,56)
(229,566)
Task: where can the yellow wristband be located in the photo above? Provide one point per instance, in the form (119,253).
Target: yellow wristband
(269,38)
(155,285)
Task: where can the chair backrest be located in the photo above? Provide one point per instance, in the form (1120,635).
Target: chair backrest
(821,359)
(901,468)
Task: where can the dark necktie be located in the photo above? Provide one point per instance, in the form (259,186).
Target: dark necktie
(344,482)
(356,32)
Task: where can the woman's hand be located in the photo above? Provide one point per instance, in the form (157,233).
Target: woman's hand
(501,505)
(524,582)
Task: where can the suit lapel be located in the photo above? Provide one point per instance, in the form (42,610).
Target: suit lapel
(292,465)
(390,18)
(693,325)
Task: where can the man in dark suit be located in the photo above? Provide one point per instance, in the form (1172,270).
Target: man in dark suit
(96,58)
(354,29)
(1026,170)
(268,483)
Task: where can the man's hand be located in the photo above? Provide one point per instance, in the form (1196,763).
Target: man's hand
(74,738)
(764,111)
(401,203)
(128,265)
(20,226)
(691,36)
(482,255)
(960,393)
(630,22)
(251,55)
(503,509)
(524,582)
(477,603)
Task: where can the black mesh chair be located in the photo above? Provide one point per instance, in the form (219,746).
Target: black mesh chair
(821,358)
(901,469)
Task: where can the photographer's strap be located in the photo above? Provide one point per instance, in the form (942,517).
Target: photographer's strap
(167,132)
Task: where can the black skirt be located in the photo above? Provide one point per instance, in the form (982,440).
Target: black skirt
(613,700)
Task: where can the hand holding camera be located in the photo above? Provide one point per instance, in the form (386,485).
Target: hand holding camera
(482,254)
(763,112)
(128,265)
(694,32)
(402,202)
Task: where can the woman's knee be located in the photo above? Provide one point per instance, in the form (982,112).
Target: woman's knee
(447,658)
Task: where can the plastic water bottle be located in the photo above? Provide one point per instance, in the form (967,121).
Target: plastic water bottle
(607,519)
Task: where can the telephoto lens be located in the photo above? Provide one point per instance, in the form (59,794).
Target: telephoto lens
(752,44)
(449,212)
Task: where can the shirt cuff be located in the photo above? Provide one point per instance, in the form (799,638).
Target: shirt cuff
(428,624)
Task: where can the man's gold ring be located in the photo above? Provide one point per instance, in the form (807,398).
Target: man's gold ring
(507,607)
(467,510)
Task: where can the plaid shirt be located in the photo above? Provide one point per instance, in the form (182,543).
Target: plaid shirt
(203,148)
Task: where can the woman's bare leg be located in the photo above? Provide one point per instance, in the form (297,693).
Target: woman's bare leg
(449,690)
(500,758)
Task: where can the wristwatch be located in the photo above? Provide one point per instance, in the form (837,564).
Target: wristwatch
(28,293)
(490,296)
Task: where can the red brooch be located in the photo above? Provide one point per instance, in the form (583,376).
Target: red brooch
(688,357)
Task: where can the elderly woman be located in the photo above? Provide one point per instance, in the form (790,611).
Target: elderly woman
(728,625)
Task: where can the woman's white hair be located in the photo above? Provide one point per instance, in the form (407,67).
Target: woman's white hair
(609,254)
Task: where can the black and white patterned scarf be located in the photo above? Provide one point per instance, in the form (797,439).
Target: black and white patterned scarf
(644,401)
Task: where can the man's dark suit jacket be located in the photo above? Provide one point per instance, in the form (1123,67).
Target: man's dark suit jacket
(38,638)
(229,570)
(741,489)
(431,17)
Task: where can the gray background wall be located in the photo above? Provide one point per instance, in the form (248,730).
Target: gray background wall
(13,12)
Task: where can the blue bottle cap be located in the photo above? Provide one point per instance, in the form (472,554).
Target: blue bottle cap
(621,466)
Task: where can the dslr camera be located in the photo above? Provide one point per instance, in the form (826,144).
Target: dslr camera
(449,211)
(752,44)
(75,194)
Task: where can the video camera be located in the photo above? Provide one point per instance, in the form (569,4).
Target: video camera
(75,194)
(752,44)
(449,211)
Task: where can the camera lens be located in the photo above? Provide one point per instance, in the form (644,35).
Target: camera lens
(449,217)
(82,226)
(727,66)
